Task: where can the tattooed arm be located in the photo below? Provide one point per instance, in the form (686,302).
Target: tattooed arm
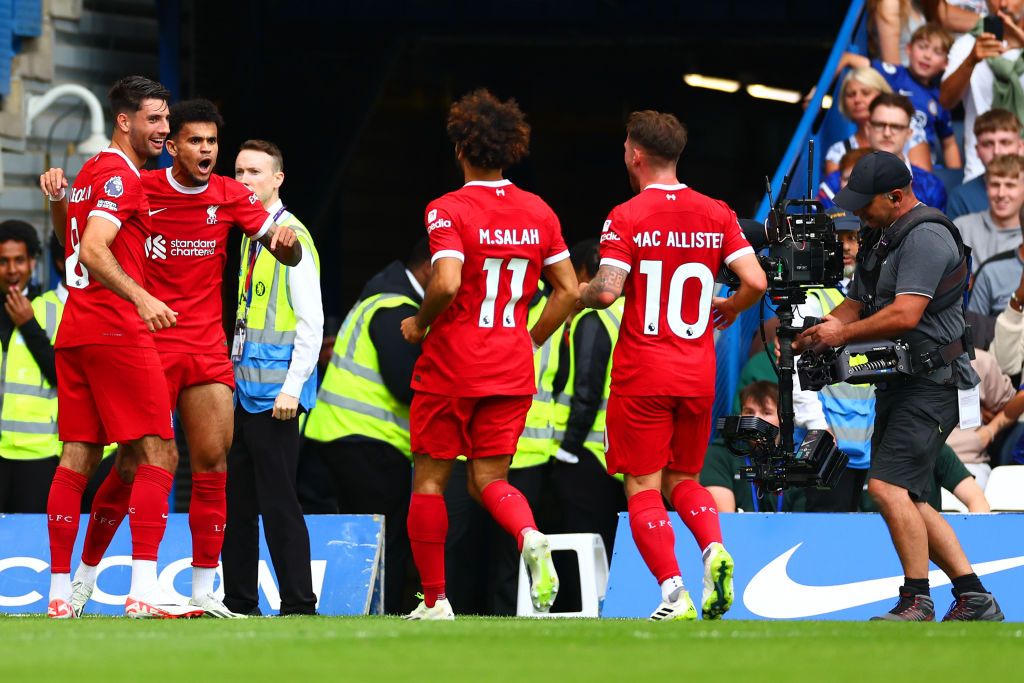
(605,288)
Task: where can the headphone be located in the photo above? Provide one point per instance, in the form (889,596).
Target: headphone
(891,197)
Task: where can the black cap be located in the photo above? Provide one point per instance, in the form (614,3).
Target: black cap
(874,174)
(845,221)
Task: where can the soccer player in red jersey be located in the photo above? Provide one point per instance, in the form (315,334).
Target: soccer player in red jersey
(664,248)
(474,381)
(111,386)
(192,212)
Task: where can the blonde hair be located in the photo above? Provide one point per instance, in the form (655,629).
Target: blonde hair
(1005,166)
(866,76)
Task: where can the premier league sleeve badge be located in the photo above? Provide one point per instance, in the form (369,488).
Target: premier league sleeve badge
(114,187)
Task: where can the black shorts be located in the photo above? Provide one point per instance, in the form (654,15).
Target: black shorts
(913,418)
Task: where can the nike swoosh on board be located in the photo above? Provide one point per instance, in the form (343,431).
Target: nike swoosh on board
(152,213)
(774,595)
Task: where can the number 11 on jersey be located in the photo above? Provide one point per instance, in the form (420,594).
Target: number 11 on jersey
(493,268)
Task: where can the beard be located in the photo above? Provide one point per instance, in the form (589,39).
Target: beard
(848,271)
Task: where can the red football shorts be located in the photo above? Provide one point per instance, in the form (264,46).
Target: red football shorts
(646,434)
(185,370)
(445,427)
(108,394)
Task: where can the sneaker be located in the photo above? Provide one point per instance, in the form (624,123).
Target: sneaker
(212,607)
(974,607)
(80,594)
(910,608)
(543,578)
(680,610)
(718,590)
(441,611)
(159,606)
(60,608)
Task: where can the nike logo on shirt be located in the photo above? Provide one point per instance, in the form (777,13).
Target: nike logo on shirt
(774,595)
(151,213)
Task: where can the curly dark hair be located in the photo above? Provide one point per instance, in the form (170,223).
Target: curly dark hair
(490,133)
(193,111)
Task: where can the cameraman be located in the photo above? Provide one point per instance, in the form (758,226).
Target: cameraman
(914,413)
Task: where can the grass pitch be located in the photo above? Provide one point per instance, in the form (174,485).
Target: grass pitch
(34,649)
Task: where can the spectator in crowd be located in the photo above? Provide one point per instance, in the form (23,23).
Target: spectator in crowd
(281,313)
(721,471)
(29,448)
(956,16)
(360,426)
(889,127)
(995,281)
(996,390)
(859,88)
(919,80)
(996,230)
(589,498)
(996,132)
(891,23)
(837,180)
(950,474)
(982,74)
(1008,343)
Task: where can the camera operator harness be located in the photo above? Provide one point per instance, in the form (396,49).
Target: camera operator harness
(915,354)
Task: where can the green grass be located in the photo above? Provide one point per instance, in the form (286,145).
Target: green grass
(33,649)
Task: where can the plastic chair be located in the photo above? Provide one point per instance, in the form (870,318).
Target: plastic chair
(1005,489)
(593,564)
(951,503)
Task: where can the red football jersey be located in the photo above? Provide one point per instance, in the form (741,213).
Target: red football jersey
(672,241)
(480,344)
(188,250)
(107,186)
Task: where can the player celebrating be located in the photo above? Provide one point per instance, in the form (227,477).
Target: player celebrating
(110,382)
(474,382)
(192,211)
(665,246)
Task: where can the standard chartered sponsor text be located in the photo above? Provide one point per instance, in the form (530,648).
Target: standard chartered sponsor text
(193,247)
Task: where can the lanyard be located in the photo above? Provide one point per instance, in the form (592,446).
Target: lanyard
(254,252)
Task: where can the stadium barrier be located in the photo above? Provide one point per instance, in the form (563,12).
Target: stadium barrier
(347,553)
(820,566)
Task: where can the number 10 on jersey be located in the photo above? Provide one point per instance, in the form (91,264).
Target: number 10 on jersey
(680,281)
(493,267)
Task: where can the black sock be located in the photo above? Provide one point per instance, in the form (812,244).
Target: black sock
(916,586)
(968,583)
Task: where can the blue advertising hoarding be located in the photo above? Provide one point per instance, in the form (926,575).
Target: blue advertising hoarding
(820,566)
(346,560)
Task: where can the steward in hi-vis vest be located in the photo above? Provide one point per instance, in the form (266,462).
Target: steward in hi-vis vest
(360,426)
(589,498)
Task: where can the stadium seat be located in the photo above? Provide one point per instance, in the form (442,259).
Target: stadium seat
(593,563)
(1005,489)
(951,503)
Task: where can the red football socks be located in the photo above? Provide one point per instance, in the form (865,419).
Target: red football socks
(698,511)
(108,510)
(653,534)
(509,508)
(207,514)
(147,510)
(428,528)
(62,509)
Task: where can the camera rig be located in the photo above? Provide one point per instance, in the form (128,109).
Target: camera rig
(803,252)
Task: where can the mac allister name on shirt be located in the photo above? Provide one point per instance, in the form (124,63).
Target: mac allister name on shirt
(511,236)
(683,240)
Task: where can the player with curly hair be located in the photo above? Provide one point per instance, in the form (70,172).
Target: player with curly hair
(474,382)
